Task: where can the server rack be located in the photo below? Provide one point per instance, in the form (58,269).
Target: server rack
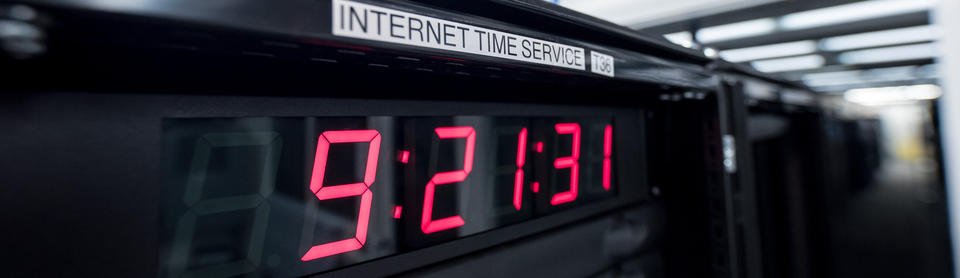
(794,154)
(93,87)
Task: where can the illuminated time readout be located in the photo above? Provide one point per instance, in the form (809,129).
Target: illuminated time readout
(292,196)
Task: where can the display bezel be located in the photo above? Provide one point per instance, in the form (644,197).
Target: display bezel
(110,174)
(628,141)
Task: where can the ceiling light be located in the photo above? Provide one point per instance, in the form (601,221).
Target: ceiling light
(889,54)
(880,38)
(892,95)
(891,74)
(647,13)
(710,52)
(737,30)
(832,78)
(769,51)
(852,12)
(681,38)
(789,64)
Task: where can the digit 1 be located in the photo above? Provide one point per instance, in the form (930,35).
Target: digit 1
(571,162)
(518,179)
(607,151)
(427,224)
(345,190)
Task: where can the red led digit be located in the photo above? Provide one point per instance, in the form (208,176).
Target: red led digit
(427,224)
(397,212)
(568,162)
(345,190)
(607,151)
(518,179)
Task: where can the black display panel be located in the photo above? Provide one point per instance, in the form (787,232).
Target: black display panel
(291,196)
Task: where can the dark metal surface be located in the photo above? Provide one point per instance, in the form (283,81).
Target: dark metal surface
(89,167)
(308,22)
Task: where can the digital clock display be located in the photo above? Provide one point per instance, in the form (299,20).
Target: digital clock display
(291,196)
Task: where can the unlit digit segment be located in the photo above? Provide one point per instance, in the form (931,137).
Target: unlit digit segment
(196,181)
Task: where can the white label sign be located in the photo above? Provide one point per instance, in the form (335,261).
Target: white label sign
(601,63)
(363,21)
